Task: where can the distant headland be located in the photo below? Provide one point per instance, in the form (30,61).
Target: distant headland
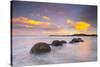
(76,35)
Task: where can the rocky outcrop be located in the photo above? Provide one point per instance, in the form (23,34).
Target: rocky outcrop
(40,48)
(76,40)
(63,41)
(58,43)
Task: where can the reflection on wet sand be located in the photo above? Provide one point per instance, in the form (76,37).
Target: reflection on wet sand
(85,50)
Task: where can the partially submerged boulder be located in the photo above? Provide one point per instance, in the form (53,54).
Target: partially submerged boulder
(76,40)
(40,48)
(58,43)
(80,39)
(63,41)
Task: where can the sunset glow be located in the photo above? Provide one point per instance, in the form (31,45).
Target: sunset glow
(82,26)
(46,19)
(52,33)
(28,21)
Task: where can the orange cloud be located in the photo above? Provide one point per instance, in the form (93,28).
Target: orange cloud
(46,17)
(15,20)
(79,25)
(82,26)
(28,21)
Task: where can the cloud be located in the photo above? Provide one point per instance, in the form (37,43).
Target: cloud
(69,21)
(26,23)
(82,26)
(60,31)
(78,25)
(46,17)
(25,20)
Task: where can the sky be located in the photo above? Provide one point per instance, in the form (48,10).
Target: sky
(38,18)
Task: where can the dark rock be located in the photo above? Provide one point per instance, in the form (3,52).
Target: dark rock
(57,43)
(40,48)
(63,41)
(76,40)
(80,40)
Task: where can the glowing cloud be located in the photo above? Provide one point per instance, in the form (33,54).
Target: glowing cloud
(46,17)
(28,21)
(69,21)
(82,26)
(78,25)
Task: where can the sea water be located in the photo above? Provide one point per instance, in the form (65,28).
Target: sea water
(68,53)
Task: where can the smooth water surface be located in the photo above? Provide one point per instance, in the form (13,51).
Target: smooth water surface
(68,53)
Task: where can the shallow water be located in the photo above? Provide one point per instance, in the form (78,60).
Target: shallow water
(68,53)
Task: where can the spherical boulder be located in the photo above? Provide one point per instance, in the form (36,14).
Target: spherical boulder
(40,48)
(63,41)
(56,43)
(76,40)
(80,40)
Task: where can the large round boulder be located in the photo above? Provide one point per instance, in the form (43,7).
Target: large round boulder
(40,48)
(76,40)
(63,41)
(80,39)
(57,43)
